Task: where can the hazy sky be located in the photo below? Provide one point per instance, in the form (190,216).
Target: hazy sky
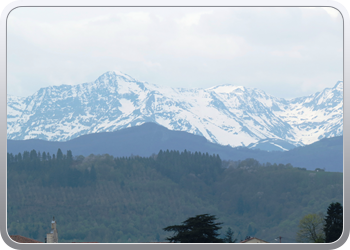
(287,52)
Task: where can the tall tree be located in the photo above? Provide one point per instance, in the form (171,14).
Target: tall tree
(19,157)
(43,156)
(26,155)
(59,155)
(229,236)
(69,157)
(198,229)
(311,229)
(333,222)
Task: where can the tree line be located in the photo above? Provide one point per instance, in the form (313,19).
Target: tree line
(56,170)
(138,196)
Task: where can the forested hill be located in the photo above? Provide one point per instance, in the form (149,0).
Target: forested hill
(150,138)
(130,199)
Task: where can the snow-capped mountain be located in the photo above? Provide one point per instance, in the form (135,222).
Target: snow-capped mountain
(225,114)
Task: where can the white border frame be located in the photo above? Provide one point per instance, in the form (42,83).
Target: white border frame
(168,3)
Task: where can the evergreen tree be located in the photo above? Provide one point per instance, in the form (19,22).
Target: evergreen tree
(69,156)
(198,229)
(334,222)
(229,236)
(10,158)
(19,157)
(43,157)
(25,155)
(59,155)
(33,155)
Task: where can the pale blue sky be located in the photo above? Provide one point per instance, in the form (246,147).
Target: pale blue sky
(287,52)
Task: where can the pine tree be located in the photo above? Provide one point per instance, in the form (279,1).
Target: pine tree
(229,236)
(69,157)
(59,155)
(19,157)
(33,155)
(25,155)
(43,156)
(334,222)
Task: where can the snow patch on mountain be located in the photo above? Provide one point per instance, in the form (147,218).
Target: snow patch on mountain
(224,114)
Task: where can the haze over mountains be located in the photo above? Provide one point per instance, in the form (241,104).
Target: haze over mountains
(224,114)
(150,138)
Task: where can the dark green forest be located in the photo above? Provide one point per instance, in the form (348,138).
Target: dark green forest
(131,199)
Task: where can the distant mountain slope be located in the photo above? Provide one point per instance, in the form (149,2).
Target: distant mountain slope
(149,138)
(325,154)
(225,114)
(271,145)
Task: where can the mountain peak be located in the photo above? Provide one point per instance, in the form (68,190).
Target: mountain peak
(115,74)
(226,88)
(121,74)
(338,85)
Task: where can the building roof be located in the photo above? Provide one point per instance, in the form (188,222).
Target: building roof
(22,239)
(85,242)
(159,242)
(253,240)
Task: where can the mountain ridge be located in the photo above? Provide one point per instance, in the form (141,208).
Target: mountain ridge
(224,114)
(150,138)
